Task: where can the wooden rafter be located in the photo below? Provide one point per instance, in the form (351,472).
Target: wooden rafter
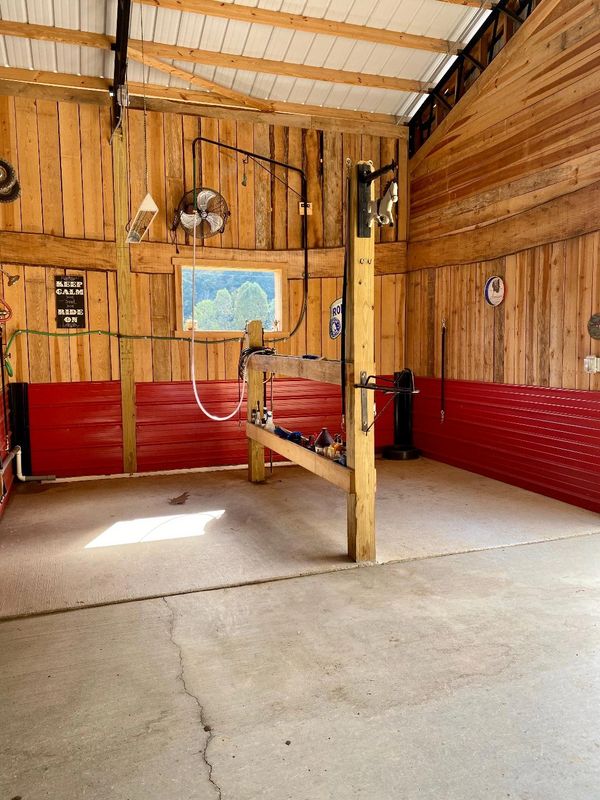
(238,98)
(48,33)
(57,79)
(214,59)
(81,88)
(486,4)
(292,70)
(299,22)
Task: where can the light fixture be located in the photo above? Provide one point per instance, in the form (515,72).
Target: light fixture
(11,278)
(142,220)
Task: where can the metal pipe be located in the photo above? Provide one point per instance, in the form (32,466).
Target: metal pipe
(8,459)
(120,65)
(303,198)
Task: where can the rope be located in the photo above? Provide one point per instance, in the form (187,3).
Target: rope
(245,357)
(145,105)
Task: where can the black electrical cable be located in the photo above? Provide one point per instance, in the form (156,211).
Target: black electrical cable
(247,352)
(4,409)
(5,416)
(256,157)
(443,375)
(344,295)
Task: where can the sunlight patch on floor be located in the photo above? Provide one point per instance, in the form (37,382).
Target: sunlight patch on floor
(154,529)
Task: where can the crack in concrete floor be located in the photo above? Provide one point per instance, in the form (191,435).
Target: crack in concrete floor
(203,752)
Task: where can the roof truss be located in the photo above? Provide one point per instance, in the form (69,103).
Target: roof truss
(158,50)
(237,98)
(299,22)
(80,88)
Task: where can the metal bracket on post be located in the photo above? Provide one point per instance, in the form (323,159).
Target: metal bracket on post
(369,383)
(364,406)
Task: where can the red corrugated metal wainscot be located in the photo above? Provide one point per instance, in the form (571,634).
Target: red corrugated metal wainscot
(545,440)
(9,474)
(75,428)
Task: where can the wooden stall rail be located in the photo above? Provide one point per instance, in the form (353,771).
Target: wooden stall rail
(340,476)
(322,370)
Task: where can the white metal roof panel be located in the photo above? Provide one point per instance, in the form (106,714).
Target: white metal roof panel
(422,17)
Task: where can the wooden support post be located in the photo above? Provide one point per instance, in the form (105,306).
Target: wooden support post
(403,192)
(360,358)
(128,414)
(255,399)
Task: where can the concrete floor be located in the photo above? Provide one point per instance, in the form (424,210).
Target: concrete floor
(467,677)
(230,532)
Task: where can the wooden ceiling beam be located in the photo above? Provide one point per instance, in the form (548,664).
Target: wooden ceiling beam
(243,100)
(81,88)
(48,33)
(58,79)
(485,4)
(291,70)
(214,59)
(301,23)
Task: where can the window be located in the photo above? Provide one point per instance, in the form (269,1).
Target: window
(227,297)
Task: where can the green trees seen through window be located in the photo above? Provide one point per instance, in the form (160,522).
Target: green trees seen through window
(226,299)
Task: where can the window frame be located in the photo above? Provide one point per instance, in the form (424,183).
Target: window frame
(281,292)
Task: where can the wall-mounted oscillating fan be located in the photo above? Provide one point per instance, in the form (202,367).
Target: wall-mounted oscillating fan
(201,213)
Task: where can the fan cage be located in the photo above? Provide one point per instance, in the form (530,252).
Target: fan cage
(212,209)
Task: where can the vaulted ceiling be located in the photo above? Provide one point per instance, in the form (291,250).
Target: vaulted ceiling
(379,57)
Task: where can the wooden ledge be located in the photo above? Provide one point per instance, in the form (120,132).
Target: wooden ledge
(313,369)
(342,477)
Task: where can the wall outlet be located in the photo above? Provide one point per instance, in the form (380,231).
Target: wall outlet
(305,208)
(591,364)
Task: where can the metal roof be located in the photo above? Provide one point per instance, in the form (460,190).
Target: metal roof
(423,17)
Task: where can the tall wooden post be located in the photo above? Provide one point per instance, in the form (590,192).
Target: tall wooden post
(360,358)
(128,415)
(255,400)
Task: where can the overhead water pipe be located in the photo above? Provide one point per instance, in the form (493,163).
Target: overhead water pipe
(303,199)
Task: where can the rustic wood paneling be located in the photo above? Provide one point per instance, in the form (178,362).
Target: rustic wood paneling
(516,163)
(79,358)
(537,337)
(62,153)
(509,184)
(65,222)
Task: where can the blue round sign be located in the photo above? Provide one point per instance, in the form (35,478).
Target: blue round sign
(335,327)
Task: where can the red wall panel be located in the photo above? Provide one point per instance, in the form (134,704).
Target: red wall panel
(545,440)
(75,428)
(172,433)
(9,474)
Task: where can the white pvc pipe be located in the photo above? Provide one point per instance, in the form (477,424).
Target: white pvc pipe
(16,454)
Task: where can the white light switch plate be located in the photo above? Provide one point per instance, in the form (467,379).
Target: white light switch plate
(591,364)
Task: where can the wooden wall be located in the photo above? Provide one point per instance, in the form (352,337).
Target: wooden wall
(509,184)
(64,161)
(40,359)
(516,164)
(537,337)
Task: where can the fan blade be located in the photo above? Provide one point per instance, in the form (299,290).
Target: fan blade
(215,221)
(204,198)
(189,221)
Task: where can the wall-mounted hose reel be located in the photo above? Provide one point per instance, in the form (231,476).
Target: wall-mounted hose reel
(10,188)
